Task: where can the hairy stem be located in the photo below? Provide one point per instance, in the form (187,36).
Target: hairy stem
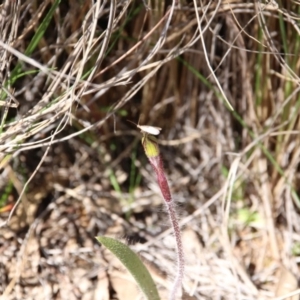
(180,256)
(152,152)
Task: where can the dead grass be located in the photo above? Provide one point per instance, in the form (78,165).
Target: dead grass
(72,168)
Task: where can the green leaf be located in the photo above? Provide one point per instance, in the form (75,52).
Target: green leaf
(133,264)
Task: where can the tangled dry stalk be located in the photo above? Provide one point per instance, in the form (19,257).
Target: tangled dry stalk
(71,74)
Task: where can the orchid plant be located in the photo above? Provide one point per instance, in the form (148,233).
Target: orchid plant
(130,260)
(152,152)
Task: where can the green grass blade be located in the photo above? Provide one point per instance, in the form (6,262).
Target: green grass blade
(133,264)
(41,29)
(36,39)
